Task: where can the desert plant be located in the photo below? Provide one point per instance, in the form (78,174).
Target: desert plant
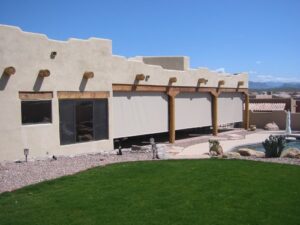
(274,145)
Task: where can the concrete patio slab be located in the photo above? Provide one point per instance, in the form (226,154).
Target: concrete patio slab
(201,150)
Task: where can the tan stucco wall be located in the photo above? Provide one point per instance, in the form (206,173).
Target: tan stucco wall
(29,53)
(260,119)
(166,62)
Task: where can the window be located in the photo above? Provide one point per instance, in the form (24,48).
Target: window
(36,112)
(83,120)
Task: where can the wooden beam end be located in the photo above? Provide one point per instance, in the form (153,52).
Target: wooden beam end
(221,82)
(172,80)
(202,81)
(44,73)
(88,75)
(8,71)
(240,83)
(140,77)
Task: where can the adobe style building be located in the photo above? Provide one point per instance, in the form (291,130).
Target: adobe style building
(74,97)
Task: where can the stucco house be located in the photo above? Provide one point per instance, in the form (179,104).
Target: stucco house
(73,97)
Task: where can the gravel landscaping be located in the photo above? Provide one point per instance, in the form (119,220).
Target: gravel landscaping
(16,175)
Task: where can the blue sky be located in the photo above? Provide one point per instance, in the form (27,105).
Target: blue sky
(261,37)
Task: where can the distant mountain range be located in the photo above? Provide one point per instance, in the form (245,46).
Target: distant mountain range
(280,86)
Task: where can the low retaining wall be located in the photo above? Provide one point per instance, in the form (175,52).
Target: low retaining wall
(260,119)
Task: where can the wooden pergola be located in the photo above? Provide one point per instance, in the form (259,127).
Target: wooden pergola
(172,91)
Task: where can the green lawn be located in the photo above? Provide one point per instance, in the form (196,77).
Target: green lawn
(162,192)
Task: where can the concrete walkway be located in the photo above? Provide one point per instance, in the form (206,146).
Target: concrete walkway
(201,150)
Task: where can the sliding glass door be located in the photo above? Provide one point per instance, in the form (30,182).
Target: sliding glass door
(83,120)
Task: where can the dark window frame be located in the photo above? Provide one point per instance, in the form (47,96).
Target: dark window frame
(23,120)
(73,127)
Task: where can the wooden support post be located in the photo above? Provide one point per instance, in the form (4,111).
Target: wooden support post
(172,127)
(246,112)
(215,113)
(171,119)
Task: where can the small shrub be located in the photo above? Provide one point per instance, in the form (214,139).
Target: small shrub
(274,145)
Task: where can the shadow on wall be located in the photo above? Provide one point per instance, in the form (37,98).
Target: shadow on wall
(38,83)
(82,84)
(3,81)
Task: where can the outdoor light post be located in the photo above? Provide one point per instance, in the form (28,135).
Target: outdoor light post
(26,153)
(120,148)
(120,145)
(154,149)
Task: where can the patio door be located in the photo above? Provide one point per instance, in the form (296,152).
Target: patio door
(83,120)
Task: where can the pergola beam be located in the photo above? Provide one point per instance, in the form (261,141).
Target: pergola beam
(172,91)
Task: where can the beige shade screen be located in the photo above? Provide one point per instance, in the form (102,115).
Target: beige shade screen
(139,113)
(230,108)
(192,110)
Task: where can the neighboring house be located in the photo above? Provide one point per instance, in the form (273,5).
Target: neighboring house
(272,104)
(73,97)
(267,107)
(263,111)
(262,96)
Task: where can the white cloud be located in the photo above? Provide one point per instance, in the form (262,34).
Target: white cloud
(220,70)
(252,72)
(269,78)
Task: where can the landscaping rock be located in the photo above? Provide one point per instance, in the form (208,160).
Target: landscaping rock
(231,155)
(251,152)
(213,154)
(252,128)
(271,126)
(205,156)
(161,151)
(291,153)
